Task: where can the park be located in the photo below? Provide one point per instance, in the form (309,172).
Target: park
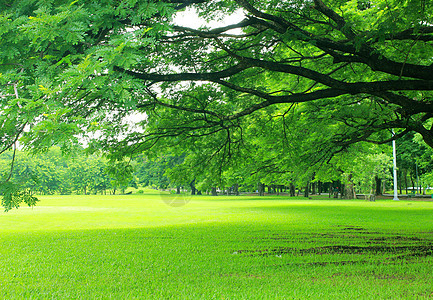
(216,149)
(227,247)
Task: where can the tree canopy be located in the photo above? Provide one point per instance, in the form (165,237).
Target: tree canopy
(292,79)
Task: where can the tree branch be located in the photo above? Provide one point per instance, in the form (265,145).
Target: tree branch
(341,23)
(185,76)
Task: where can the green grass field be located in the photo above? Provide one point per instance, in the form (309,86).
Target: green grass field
(138,247)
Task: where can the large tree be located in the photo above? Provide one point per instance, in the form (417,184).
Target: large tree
(71,68)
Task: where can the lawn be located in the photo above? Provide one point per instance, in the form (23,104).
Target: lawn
(138,247)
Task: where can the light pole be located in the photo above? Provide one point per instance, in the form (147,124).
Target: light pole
(394,169)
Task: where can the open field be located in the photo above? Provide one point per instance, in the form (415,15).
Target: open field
(138,247)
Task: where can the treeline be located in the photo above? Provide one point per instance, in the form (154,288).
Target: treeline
(52,172)
(367,170)
(364,168)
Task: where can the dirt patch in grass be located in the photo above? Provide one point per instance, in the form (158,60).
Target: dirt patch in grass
(409,251)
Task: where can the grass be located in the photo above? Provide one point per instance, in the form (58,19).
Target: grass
(138,247)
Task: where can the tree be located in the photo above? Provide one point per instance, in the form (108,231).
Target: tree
(153,171)
(82,67)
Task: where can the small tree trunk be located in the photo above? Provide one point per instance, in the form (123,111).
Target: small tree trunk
(399,183)
(192,186)
(378,189)
(178,190)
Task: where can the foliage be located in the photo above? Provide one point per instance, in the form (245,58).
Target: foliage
(52,172)
(298,83)
(13,196)
(154,172)
(368,167)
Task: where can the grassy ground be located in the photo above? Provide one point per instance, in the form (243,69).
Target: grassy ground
(138,247)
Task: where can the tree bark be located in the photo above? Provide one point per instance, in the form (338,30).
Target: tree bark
(413,184)
(307,190)
(378,189)
(347,189)
(261,189)
(292,190)
(192,186)
(214,191)
(236,189)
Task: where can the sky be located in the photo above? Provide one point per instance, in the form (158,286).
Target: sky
(189,18)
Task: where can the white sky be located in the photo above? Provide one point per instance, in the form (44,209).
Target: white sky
(189,18)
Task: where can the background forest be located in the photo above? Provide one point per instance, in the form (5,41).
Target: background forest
(369,172)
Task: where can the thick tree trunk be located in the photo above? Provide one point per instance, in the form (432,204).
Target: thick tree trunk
(313,188)
(292,190)
(236,189)
(349,191)
(307,190)
(261,189)
(178,190)
(214,191)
